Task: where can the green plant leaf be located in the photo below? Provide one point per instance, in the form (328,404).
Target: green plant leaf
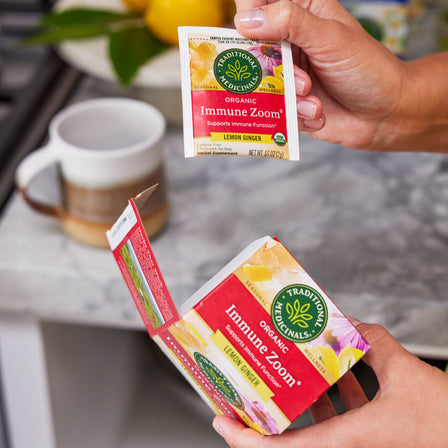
(77,23)
(83,16)
(58,34)
(130,48)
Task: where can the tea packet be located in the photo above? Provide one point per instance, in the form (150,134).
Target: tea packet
(238,95)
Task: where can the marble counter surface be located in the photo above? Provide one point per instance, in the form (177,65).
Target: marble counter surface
(371,229)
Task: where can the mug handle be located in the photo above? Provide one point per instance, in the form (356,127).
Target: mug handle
(27,170)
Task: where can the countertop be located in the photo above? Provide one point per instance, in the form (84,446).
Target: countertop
(370,228)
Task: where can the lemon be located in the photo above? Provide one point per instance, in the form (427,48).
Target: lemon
(330,360)
(136,5)
(348,357)
(258,273)
(164,16)
(270,82)
(202,55)
(200,76)
(278,72)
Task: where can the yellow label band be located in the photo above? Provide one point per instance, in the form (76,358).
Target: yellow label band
(238,137)
(261,298)
(243,367)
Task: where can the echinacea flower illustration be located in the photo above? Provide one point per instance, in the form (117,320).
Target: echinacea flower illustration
(341,333)
(258,415)
(269,56)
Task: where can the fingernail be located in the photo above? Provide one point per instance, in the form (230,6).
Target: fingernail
(355,322)
(307,109)
(253,18)
(217,428)
(314,124)
(300,84)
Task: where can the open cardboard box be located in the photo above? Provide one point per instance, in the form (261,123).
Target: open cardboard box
(260,341)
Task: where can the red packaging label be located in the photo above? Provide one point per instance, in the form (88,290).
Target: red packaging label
(230,114)
(233,310)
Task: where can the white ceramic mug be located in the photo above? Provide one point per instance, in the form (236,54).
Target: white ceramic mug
(108,150)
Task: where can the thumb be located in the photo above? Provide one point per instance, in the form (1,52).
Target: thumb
(307,29)
(235,433)
(239,436)
(385,351)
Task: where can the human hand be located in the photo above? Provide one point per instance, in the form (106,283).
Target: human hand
(351,89)
(409,410)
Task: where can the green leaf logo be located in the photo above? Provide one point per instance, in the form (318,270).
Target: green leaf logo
(299,313)
(237,71)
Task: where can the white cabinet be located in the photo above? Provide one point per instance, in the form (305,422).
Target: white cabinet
(72,386)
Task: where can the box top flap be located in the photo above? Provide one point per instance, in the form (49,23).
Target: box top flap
(133,253)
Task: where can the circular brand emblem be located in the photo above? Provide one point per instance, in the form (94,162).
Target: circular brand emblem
(217,378)
(237,71)
(299,313)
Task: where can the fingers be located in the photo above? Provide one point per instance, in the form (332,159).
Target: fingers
(309,113)
(351,392)
(309,107)
(244,5)
(277,21)
(322,409)
(236,434)
(385,351)
(309,126)
(323,8)
(302,81)
(310,116)
(288,20)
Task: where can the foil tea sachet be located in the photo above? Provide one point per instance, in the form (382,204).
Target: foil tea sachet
(238,95)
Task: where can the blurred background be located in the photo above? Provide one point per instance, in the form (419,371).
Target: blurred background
(92,377)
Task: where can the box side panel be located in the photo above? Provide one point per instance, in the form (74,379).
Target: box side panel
(169,343)
(138,265)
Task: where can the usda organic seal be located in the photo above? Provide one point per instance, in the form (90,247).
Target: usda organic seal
(299,313)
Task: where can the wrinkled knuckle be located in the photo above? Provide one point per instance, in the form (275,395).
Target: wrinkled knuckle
(289,20)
